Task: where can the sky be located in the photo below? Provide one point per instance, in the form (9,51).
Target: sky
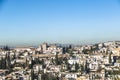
(31,22)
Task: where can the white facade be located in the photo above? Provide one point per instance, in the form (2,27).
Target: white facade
(69,76)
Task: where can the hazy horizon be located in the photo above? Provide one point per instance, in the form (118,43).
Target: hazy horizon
(32,22)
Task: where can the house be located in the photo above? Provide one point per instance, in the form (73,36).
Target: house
(100,75)
(83,77)
(54,49)
(117,64)
(116,52)
(71,76)
(22,49)
(53,68)
(74,59)
(37,68)
(94,66)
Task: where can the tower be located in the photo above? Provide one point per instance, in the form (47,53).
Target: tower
(44,47)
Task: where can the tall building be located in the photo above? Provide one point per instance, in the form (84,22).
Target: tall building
(44,47)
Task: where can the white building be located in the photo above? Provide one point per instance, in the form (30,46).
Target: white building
(44,47)
(73,60)
(71,76)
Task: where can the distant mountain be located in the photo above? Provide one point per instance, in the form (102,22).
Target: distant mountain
(1,46)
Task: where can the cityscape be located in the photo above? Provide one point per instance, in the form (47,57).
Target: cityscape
(55,62)
(59,39)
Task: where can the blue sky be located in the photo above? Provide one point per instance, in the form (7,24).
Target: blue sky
(30,22)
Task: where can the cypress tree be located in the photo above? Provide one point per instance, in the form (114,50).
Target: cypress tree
(56,59)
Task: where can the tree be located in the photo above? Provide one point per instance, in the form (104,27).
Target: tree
(70,47)
(87,70)
(76,67)
(26,63)
(41,61)
(14,56)
(3,63)
(8,64)
(6,48)
(110,58)
(64,50)
(44,77)
(31,65)
(82,68)
(32,74)
(86,51)
(56,59)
